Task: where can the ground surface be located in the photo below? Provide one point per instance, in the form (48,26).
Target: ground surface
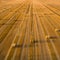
(29,30)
